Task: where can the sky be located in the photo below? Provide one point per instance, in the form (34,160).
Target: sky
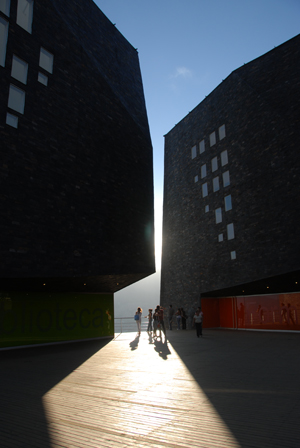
(186,48)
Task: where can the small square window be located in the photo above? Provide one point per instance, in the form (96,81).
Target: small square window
(224,158)
(203,171)
(12,120)
(230,232)
(5,7)
(202,146)
(196,178)
(43,79)
(212,139)
(46,60)
(204,190)
(206,208)
(19,69)
(216,184)
(16,99)
(25,14)
(233,255)
(228,203)
(220,237)
(214,164)
(194,152)
(3,40)
(218,214)
(226,179)
(222,132)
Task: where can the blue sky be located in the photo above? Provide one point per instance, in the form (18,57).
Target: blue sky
(186,48)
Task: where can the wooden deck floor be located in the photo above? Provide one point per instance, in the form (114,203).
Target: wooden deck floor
(228,389)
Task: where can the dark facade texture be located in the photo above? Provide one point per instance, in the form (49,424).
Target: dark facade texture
(76,198)
(231,212)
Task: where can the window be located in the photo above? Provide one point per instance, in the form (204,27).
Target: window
(43,79)
(212,139)
(226,179)
(196,179)
(194,150)
(19,69)
(3,40)
(230,231)
(214,164)
(202,146)
(206,209)
(204,190)
(228,204)
(218,214)
(216,184)
(203,171)
(46,60)
(220,237)
(224,158)
(233,255)
(5,6)
(25,14)
(12,120)
(222,132)
(16,99)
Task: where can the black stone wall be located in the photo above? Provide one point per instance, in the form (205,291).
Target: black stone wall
(76,197)
(259,105)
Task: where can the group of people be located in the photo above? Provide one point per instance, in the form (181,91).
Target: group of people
(156,320)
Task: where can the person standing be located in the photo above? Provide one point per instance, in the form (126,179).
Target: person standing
(138,319)
(183,319)
(161,318)
(170,316)
(198,319)
(178,318)
(149,328)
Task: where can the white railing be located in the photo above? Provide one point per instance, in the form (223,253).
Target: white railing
(128,324)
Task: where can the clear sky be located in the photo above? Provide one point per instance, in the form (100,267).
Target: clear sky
(186,48)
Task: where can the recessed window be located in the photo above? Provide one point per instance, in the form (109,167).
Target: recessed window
(224,158)
(226,179)
(222,132)
(202,146)
(46,60)
(12,120)
(5,7)
(16,99)
(214,164)
(3,40)
(25,14)
(230,231)
(194,151)
(19,69)
(220,237)
(212,139)
(228,203)
(216,184)
(218,214)
(43,79)
(233,255)
(204,190)
(206,208)
(196,179)
(203,171)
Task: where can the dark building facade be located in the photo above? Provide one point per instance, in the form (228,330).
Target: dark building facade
(231,209)
(76,170)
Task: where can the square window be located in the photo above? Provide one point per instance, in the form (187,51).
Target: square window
(220,237)
(214,164)
(3,40)
(16,99)
(196,179)
(218,214)
(216,184)
(233,255)
(226,179)
(5,7)
(202,146)
(19,69)
(230,232)
(25,14)
(12,120)
(206,208)
(46,60)
(228,203)
(222,132)
(43,79)
(194,150)
(204,190)
(224,158)
(203,171)
(212,139)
